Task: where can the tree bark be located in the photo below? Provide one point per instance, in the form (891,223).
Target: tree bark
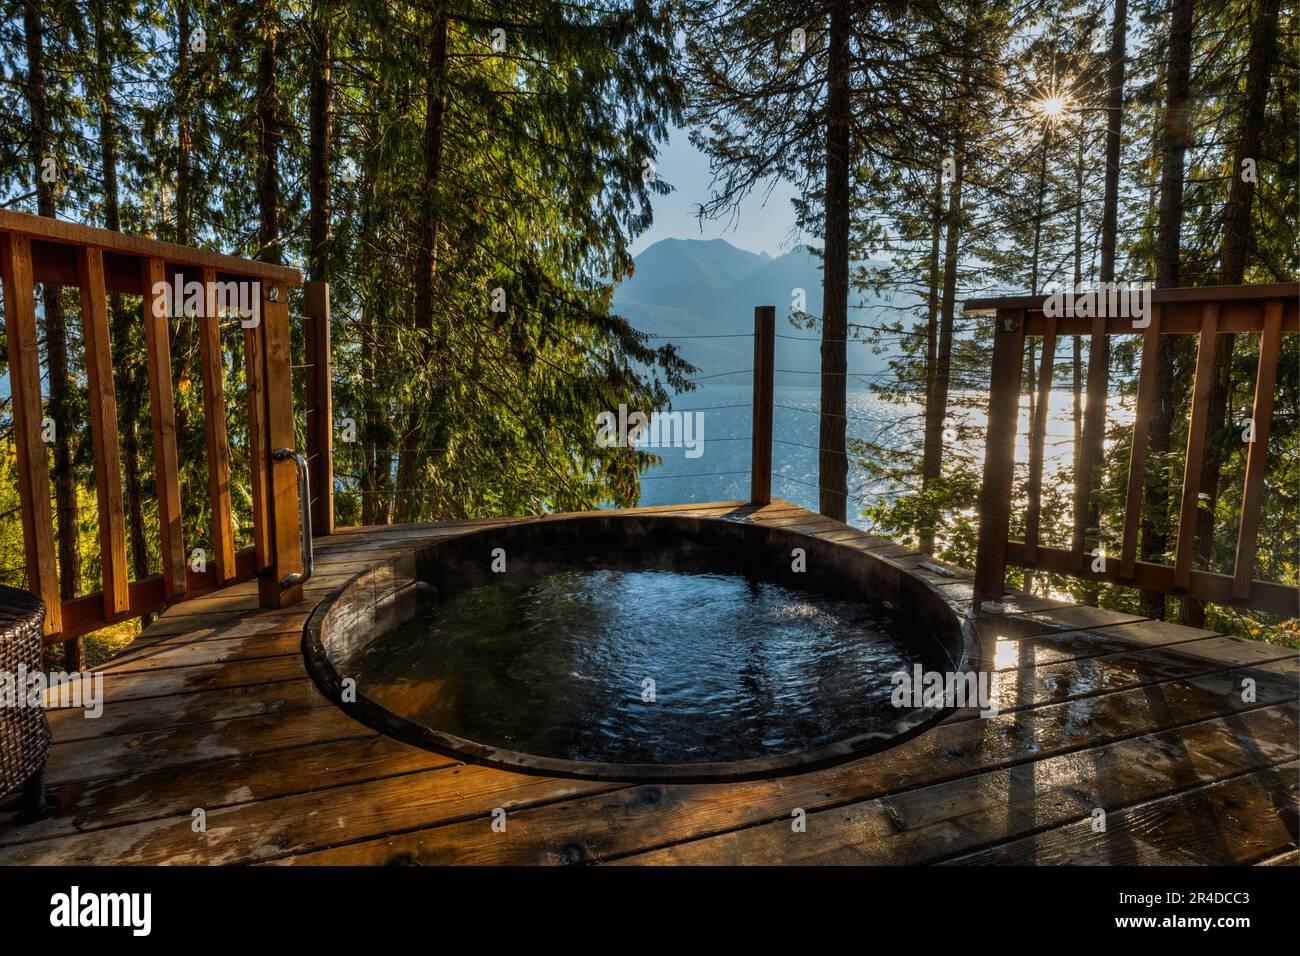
(1175,140)
(184,144)
(1114,129)
(127,375)
(930,456)
(411,499)
(832,458)
(1076,341)
(936,403)
(320,106)
(268,164)
(56,342)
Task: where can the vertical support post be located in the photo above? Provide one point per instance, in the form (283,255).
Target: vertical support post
(214,431)
(282,485)
(1137,462)
(999,455)
(1094,436)
(1196,433)
(162,419)
(32,455)
(258,453)
(760,475)
(103,430)
(320,406)
(1037,439)
(1270,344)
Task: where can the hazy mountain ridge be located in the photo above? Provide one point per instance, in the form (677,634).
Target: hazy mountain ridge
(697,287)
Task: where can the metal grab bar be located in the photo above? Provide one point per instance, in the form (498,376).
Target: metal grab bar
(304,481)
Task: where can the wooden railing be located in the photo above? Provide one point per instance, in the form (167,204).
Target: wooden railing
(1269,310)
(100,263)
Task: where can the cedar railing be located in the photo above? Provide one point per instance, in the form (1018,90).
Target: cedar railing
(99,262)
(1268,310)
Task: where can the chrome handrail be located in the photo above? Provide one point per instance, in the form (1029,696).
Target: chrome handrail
(300,577)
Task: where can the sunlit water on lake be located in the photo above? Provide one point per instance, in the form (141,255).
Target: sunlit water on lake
(721,473)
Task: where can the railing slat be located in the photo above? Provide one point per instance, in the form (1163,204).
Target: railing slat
(162,417)
(258,455)
(28,413)
(1252,496)
(1038,436)
(1137,465)
(286,546)
(214,430)
(1196,435)
(103,430)
(1094,431)
(999,455)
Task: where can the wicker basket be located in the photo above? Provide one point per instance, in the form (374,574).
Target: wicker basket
(24,731)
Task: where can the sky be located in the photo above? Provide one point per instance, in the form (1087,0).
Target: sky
(765,222)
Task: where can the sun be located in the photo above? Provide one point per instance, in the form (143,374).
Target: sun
(1053,107)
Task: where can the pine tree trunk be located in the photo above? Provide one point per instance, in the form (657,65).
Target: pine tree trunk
(1114,129)
(410,498)
(1076,341)
(268,174)
(1175,141)
(321,122)
(936,405)
(127,378)
(1085,508)
(56,341)
(184,145)
(930,455)
(832,459)
(1232,271)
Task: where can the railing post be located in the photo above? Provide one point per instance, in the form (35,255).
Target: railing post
(25,388)
(282,508)
(162,417)
(320,406)
(999,455)
(214,432)
(760,479)
(103,430)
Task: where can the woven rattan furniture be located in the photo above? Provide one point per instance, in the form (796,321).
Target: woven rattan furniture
(24,731)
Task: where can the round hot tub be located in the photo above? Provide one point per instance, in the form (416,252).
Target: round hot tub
(646,648)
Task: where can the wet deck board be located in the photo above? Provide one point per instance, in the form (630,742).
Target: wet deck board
(212,709)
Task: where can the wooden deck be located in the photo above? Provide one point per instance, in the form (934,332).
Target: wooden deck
(211,709)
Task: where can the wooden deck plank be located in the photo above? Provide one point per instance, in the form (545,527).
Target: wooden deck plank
(210,651)
(212,708)
(1017,689)
(1082,616)
(272,828)
(192,744)
(141,715)
(181,680)
(1253,818)
(97,804)
(643,817)
(618,825)
(936,823)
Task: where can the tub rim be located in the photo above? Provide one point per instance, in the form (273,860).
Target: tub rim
(912,722)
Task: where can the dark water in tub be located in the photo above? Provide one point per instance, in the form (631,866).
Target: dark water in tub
(557,665)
